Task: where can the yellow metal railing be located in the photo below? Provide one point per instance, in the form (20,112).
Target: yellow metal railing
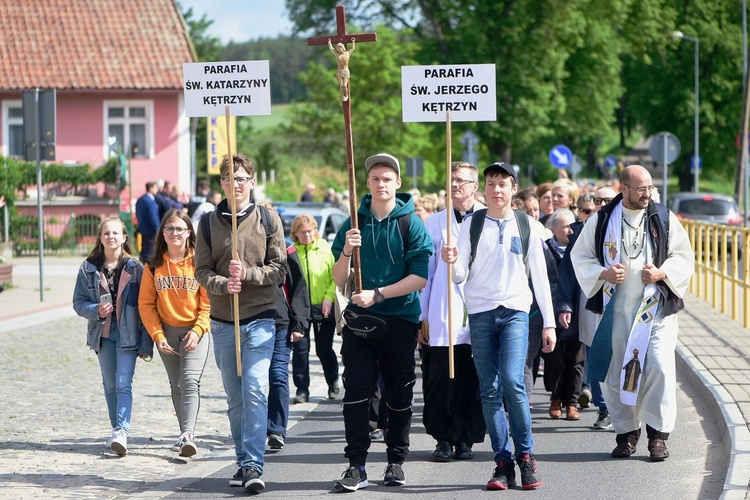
(722,272)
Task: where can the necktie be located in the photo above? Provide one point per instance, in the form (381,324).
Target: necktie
(600,353)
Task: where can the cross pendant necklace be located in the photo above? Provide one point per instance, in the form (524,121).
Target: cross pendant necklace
(640,234)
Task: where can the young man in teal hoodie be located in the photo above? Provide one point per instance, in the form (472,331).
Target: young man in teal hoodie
(393,272)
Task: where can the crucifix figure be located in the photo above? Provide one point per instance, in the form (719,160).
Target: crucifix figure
(342,73)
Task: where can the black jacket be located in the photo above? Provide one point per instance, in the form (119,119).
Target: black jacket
(568,291)
(293,302)
(657,226)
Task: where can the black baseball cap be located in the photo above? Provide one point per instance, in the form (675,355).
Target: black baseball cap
(501,167)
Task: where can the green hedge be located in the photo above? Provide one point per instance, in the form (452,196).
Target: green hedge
(18,175)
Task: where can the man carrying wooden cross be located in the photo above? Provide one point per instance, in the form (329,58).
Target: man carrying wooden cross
(394,250)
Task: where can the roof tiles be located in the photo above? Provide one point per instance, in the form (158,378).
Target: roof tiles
(92,44)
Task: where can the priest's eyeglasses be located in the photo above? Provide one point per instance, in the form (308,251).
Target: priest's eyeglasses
(644,189)
(175,230)
(599,201)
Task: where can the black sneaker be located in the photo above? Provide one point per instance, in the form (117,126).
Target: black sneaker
(503,477)
(530,477)
(237,478)
(251,481)
(394,475)
(275,441)
(352,479)
(603,420)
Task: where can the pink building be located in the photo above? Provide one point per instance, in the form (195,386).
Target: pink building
(117,69)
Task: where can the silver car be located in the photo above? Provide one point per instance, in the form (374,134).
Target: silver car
(706,207)
(329,217)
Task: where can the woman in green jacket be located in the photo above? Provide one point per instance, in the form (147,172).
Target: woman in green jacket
(317,266)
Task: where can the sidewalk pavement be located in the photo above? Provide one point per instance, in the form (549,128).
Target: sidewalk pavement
(713,353)
(54,425)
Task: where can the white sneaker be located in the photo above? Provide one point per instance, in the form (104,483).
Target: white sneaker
(178,445)
(188,448)
(109,442)
(119,442)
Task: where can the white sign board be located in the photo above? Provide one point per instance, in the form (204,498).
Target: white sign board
(467,91)
(244,86)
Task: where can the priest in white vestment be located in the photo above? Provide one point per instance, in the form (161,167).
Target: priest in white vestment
(637,251)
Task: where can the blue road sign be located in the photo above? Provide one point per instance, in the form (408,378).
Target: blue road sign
(611,161)
(692,164)
(561,156)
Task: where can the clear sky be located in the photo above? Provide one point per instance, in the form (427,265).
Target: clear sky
(242,20)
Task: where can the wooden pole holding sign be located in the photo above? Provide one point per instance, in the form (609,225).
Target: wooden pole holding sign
(235,254)
(449,238)
(459,92)
(208,86)
(342,73)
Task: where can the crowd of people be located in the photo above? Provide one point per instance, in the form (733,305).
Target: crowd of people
(582,280)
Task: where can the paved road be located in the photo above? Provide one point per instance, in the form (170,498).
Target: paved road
(53,428)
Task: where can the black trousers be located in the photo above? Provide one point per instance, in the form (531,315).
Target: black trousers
(563,370)
(324,331)
(394,355)
(452,407)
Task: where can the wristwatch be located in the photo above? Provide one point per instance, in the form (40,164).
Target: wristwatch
(378,296)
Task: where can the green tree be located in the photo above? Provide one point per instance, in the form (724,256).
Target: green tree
(317,126)
(287,58)
(536,45)
(206,46)
(659,76)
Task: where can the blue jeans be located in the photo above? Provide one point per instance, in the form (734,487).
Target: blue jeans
(278,375)
(117,367)
(246,395)
(499,342)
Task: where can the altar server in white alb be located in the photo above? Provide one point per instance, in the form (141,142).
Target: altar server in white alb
(452,412)
(636,251)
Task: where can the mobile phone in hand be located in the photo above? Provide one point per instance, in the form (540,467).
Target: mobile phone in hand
(106,298)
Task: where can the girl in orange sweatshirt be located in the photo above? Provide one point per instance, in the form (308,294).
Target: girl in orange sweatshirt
(174,309)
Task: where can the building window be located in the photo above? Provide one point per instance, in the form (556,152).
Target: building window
(129,123)
(13,129)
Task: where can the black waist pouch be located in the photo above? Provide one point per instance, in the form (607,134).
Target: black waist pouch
(366,325)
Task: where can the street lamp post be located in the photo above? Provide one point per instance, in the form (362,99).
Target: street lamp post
(696,149)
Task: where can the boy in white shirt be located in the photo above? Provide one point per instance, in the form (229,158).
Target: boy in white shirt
(498,298)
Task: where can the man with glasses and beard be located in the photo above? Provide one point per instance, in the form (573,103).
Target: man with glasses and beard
(633,261)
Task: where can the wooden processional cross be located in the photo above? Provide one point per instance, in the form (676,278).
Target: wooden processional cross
(337,45)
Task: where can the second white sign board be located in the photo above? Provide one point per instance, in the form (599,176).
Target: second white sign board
(466,90)
(244,86)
